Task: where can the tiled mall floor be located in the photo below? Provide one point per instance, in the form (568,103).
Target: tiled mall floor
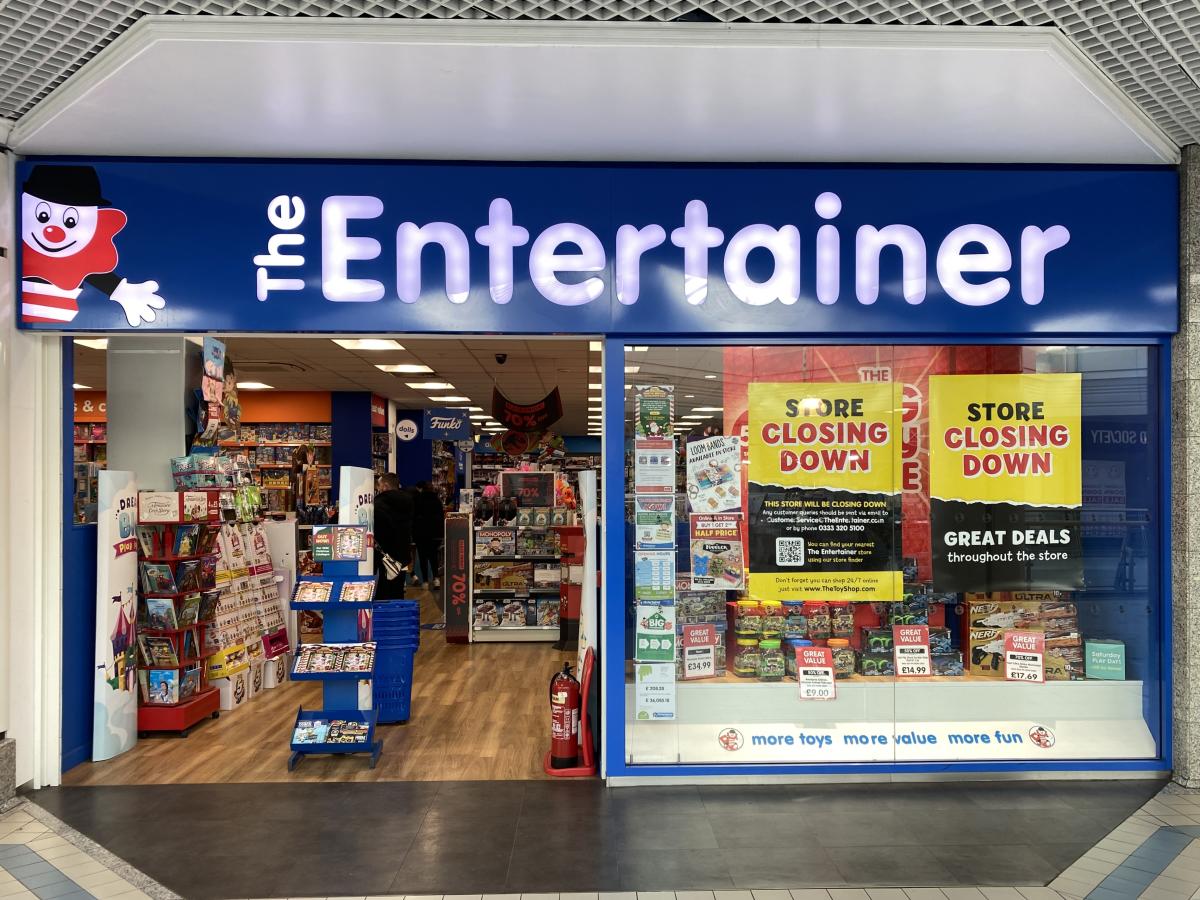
(1152,853)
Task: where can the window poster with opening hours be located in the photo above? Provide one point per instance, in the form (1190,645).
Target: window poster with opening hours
(824,490)
(1005,482)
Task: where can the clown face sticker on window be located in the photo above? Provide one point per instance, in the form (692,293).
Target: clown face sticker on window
(67,231)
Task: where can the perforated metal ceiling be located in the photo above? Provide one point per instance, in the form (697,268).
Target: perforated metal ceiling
(1149,48)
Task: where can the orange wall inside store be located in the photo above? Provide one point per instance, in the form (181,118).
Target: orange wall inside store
(285,406)
(91,406)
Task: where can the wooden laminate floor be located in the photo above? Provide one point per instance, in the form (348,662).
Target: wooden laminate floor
(479,712)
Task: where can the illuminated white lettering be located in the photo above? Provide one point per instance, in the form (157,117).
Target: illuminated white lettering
(338,248)
(1035,244)
(784,247)
(829,248)
(500,235)
(952,262)
(870,242)
(696,238)
(632,242)
(545,264)
(411,240)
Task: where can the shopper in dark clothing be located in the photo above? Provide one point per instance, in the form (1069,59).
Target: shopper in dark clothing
(429,519)
(393,533)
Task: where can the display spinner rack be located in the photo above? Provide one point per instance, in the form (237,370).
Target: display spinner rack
(180,715)
(340,689)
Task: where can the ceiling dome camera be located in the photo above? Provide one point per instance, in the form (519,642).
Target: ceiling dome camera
(501,358)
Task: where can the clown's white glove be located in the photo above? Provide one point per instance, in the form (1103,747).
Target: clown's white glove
(138,300)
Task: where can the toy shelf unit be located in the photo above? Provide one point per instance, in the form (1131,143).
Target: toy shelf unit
(90,456)
(516,582)
(340,662)
(292,462)
(177,604)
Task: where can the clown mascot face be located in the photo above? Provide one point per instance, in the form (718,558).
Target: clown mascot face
(67,231)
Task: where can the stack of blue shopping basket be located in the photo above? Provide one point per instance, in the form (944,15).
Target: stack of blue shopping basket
(396,630)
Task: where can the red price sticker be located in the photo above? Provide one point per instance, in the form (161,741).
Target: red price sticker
(814,672)
(1025,656)
(910,645)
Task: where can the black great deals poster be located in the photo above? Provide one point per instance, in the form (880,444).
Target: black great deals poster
(824,493)
(1005,482)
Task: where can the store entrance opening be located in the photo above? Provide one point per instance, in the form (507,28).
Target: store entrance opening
(494,441)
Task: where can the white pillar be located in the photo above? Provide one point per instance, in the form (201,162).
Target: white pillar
(30,527)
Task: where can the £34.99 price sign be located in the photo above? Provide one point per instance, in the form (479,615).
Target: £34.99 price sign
(814,671)
(1025,656)
(910,645)
(699,647)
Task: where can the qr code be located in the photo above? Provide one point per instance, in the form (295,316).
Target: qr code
(789,551)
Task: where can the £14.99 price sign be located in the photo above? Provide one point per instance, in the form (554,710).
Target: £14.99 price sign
(814,671)
(911,648)
(1025,656)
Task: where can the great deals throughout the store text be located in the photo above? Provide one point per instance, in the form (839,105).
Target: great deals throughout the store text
(971,259)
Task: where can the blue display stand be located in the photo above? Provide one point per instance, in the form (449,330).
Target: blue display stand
(340,688)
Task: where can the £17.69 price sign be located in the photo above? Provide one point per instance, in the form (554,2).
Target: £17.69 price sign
(814,671)
(1025,656)
(911,648)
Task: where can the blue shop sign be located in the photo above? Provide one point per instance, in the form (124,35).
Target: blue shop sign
(652,249)
(446,425)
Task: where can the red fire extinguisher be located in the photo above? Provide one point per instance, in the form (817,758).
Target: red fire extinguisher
(564,719)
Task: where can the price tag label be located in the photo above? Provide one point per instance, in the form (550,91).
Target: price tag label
(814,672)
(1025,656)
(910,645)
(700,662)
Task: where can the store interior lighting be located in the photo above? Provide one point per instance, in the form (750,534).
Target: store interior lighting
(404,369)
(368,344)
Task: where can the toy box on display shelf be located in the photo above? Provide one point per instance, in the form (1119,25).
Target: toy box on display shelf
(516,559)
(341,661)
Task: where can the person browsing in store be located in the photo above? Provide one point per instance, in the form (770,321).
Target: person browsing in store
(393,533)
(429,520)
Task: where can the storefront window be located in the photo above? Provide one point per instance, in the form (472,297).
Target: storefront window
(857,554)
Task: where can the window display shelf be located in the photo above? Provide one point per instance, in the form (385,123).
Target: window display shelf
(906,720)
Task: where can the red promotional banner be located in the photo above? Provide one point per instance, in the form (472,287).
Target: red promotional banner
(527,417)
(456,584)
(378,411)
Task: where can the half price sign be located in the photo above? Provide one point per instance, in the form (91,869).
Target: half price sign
(1025,656)
(814,671)
(910,645)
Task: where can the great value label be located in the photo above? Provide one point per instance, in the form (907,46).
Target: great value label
(1025,656)
(814,672)
(910,645)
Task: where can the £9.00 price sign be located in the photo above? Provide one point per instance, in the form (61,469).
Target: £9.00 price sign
(814,672)
(1025,656)
(911,648)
